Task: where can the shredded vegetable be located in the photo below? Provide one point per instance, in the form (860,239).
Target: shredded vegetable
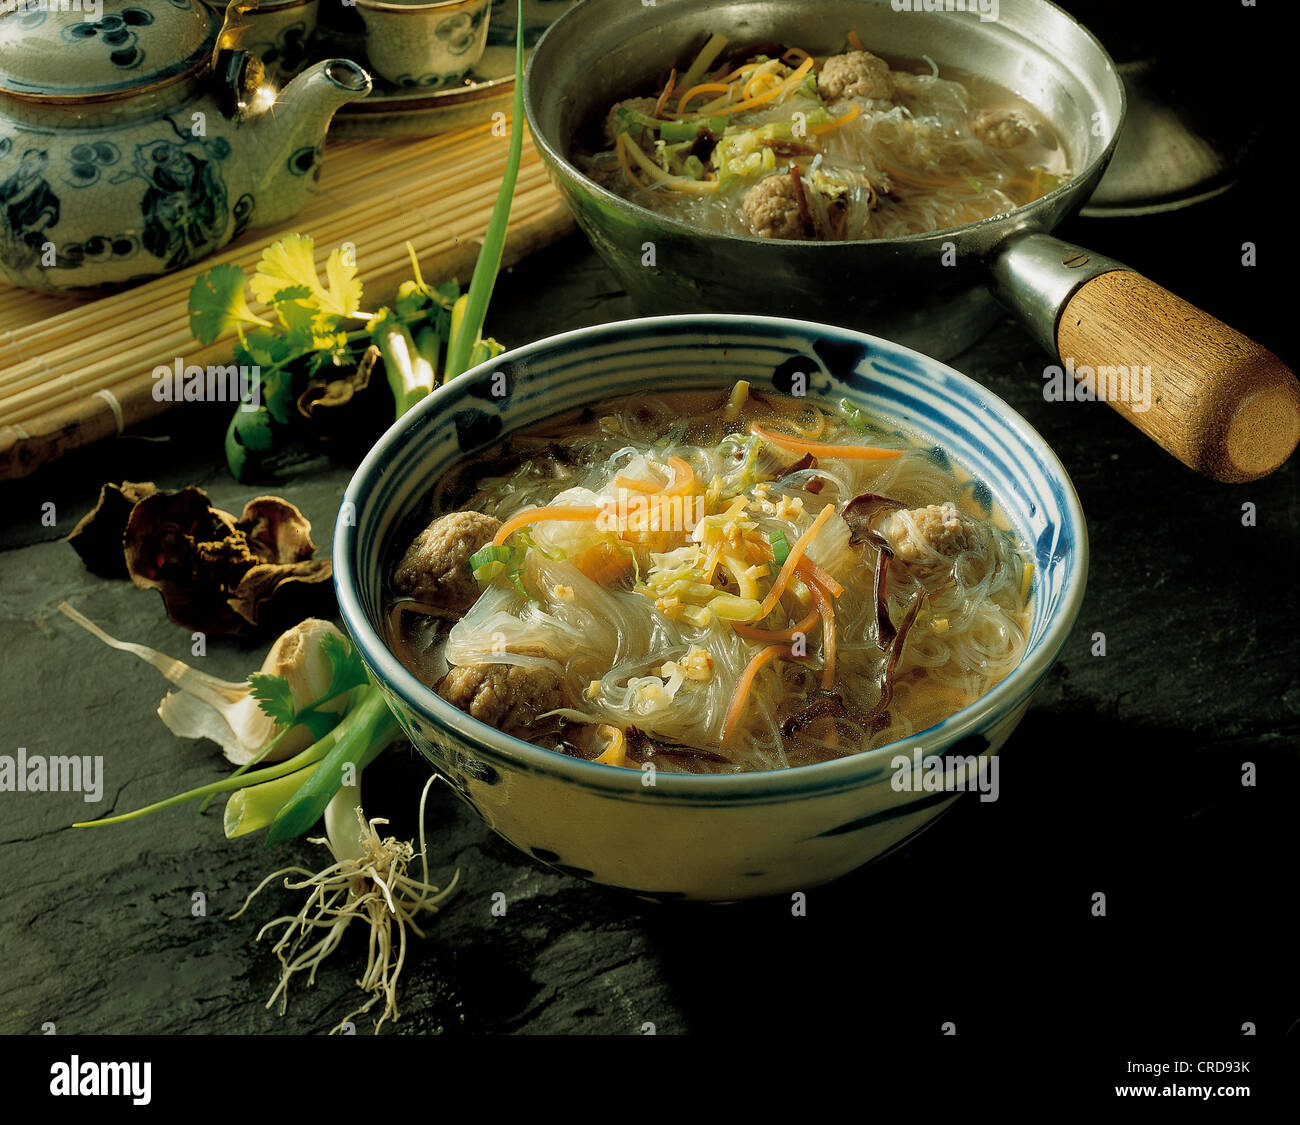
(792,560)
(821,450)
(761,658)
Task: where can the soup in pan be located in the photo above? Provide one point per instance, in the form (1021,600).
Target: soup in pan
(715,583)
(776,143)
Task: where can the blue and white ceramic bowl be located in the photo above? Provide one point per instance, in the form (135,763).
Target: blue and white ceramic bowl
(706,837)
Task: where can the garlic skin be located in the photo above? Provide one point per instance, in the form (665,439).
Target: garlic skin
(238,724)
(225,711)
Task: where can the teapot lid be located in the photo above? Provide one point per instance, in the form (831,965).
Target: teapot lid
(97,50)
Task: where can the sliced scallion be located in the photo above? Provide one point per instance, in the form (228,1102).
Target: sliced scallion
(780,550)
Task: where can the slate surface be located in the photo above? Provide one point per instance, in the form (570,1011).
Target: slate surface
(1124,778)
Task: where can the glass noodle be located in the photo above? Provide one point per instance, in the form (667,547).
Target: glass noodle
(622,648)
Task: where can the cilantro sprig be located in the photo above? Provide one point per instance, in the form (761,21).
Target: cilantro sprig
(315,329)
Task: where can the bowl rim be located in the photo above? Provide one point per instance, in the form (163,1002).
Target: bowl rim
(564,166)
(838,775)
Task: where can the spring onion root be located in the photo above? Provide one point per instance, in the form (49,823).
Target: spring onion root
(367,880)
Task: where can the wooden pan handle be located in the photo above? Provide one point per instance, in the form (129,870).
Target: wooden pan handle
(1218,401)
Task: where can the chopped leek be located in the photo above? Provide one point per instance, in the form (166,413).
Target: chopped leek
(489,561)
(780,550)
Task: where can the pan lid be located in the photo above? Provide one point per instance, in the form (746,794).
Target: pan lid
(108,49)
(1179,146)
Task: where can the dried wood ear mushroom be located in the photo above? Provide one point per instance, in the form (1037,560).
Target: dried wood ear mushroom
(97,538)
(215,573)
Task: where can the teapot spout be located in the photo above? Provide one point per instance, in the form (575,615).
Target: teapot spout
(292,132)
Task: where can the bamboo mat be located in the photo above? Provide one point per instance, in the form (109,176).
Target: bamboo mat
(74,370)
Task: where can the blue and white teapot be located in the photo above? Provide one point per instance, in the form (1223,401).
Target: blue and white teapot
(135,138)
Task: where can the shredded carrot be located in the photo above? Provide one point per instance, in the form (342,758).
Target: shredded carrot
(767,78)
(541,515)
(855,42)
(822,449)
(843,119)
(827,612)
(703,88)
(776,636)
(792,561)
(742,688)
(824,580)
(770,95)
(739,72)
(633,485)
(683,481)
(683,478)
(668,93)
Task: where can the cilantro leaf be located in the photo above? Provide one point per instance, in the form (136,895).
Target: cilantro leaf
(345,287)
(217,304)
(286,263)
(274,696)
(292,293)
(290,265)
(265,347)
(299,320)
(346,668)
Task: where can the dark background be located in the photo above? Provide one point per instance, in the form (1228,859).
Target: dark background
(1124,778)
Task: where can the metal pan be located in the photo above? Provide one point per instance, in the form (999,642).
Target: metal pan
(1218,401)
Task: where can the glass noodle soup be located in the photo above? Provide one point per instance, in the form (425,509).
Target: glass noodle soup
(715,583)
(775,143)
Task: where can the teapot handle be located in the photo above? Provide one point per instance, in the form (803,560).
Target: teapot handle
(238,76)
(233,25)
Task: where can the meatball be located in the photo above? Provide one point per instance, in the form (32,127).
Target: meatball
(772,208)
(641,105)
(1001,128)
(505,696)
(435,568)
(856,74)
(934,535)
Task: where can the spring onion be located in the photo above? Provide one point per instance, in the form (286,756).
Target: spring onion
(688,128)
(410,375)
(780,551)
(487,562)
(466,334)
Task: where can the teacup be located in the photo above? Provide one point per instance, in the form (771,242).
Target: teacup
(278,34)
(424,46)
